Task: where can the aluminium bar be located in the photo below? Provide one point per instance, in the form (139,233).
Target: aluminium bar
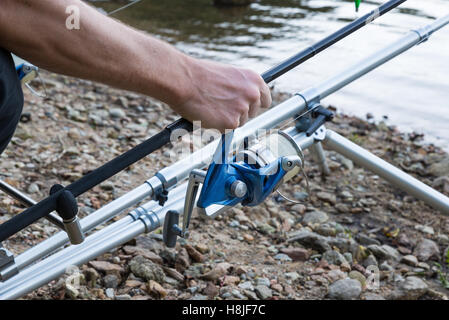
(137,222)
(269,119)
(396,177)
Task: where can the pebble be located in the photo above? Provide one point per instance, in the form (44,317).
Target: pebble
(334,257)
(33,188)
(425,229)
(146,269)
(194,254)
(110,293)
(106,266)
(263,292)
(358,276)
(247,285)
(296,254)
(410,260)
(384,252)
(410,289)
(443,239)
(345,289)
(365,240)
(117,113)
(427,250)
(328,197)
(370,261)
(315,217)
(111,281)
(310,239)
(291,276)
(282,257)
(263,282)
(237,294)
(155,289)
(123,297)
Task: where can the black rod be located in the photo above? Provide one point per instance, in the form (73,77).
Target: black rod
(311,51)
(44,207)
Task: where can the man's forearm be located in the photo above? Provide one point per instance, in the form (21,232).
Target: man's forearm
(102,49)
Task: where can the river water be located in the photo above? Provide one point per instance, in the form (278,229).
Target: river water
(412,90)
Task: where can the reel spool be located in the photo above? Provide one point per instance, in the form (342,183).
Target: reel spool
(270,148)
(249,178)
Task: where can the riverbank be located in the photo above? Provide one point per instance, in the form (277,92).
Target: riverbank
(322,248)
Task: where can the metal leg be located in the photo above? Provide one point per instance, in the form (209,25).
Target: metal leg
(27,201)
(364,158)
(318,153)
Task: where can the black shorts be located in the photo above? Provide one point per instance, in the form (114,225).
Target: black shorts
(11,99)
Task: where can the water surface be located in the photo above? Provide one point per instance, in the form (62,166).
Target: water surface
(412,90)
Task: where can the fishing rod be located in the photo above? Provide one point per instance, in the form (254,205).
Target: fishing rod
(63,199)
(150,216)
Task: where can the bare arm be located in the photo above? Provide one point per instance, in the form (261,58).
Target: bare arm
(110,52)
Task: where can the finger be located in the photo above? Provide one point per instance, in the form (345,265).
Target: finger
(243,119)
(265,97)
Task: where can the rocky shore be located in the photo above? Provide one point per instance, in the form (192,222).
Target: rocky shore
(354,237)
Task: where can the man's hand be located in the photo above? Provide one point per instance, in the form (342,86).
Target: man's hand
(222,96)
(107,51)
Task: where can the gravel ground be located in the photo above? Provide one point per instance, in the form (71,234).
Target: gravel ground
(355,237)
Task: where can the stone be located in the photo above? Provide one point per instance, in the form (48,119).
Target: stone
(210,290)
(143,252)
(263,282)
(247,285)
(365,240)
(282,257)
(410,289)
(373,296)
(202,247)
(110,293)
(155,289)
(111,281)
(263,292)
(182,260)
(334,257)
(220,270)
(33,188)
(123,297)
(443,239)
(427,250)
(335,275)
(296,254)
(370,261)
(250,294)
(326,196)
(315,217)
(345,289)
(194,254)
(410,260)
(117,113)
(299,208)
(440,169)
(146,269)
(311,239)
(291,276)
(425,229)
(105,266)
(384,252)
(358,276)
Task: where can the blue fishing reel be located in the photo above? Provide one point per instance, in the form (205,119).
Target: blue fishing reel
(247,178)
